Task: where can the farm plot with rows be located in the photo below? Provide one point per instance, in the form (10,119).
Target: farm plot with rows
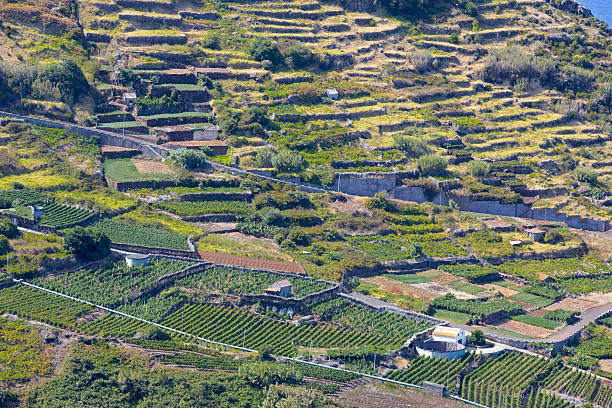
(393,325)
(30,303)
(133,234)
(238,281)
(408,246)
(437,370)
(191,209)
(503,380)
(110,284)
(64,216)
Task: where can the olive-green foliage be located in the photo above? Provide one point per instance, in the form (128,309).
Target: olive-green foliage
(478,168)
(8,229)
(187,158)
(4,245)
(60,81)
(512,63)
(298,56)
(87,243)
(585,174)
(432,165)
(422,61)
(262,49)
(285,161)
(410,145)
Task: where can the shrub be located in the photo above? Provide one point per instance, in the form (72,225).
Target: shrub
(422,61)
(479,168)
(471,9)
(4,245)
(298,56)
(8,229)
(68,77)
(511,63)
(126,77)
(574,78)
(477,338)
(299,237)
(264,157)
(187,158)
(453,38)
(211,41)
(89,244)
(585,174)
(274,218)
(264,49)
(411,146)
(284,161)
(432,165)
(155,333)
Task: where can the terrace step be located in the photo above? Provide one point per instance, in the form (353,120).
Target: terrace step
(171,76)
(280,29)
(146,5)
(124,127)
(140,19)
(115,117)
(174,119)
(281,22)
(150,39)
(289,13)
(199,15)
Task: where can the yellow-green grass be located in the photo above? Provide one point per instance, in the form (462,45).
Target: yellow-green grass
(103,199)
(37,179)
(155,219)
(256,248)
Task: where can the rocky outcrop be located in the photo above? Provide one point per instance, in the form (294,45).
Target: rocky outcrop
(571,6)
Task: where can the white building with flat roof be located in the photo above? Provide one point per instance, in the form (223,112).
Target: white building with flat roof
(452,334)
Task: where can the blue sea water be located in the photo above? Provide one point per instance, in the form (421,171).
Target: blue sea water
(602,9)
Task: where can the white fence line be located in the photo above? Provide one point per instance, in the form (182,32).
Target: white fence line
(297,360)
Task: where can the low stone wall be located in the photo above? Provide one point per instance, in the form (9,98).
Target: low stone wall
(166,279)
(210,218)
(24,222)
(136,185)
(246,196)
(154,250)
(199,15)
(155,39)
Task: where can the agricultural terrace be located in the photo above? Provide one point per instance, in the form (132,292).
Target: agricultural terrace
(24,354)
(240,281)
(113,283)
(134,234)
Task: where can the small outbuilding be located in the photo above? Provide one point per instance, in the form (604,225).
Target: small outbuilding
(280,288)
(331,93)
(452,334)
(129,98)
(37,211)
(544,278)
(536,234)
(136,260)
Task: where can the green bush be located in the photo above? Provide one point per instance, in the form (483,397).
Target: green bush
(432,165)
(262,49)
(8,229)
(585,174)
(479,168)
(4,245)
(187,158)
(410,145)
(471,9)
(298,56)
(89,244)
(453,38)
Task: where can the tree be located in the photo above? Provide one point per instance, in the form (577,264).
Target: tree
(4,245)
(8,229)
(69,78)
(298,56)
(89,244)
(471,9)
(477,338)
(264,49)
(432,165)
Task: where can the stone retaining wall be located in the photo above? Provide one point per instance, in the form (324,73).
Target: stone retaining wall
(136,185)
(210,218)
(166,279)
(154,250)
(245,196)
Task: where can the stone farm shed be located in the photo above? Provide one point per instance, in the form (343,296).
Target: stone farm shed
(280,288)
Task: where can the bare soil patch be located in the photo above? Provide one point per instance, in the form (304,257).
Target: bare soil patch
(599,298)
(573,304)
(526,329)
(496,288)
(377,395)
(440,290)
(151,167)
(606,364)
(444,278)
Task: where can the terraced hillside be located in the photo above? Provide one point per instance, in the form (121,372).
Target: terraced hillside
(514,96)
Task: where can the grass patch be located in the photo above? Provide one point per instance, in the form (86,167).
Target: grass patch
(255,248)
(408,278)
(97,200)
(508,332)
(509,285)
(466,287)
(37,179)
(403,301)
(536,321)
(124,170)
(531,299)
(456,317)
(154,219)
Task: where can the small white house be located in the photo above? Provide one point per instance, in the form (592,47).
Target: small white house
(451,334)
(129,98)
(136,260)
(331,93)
